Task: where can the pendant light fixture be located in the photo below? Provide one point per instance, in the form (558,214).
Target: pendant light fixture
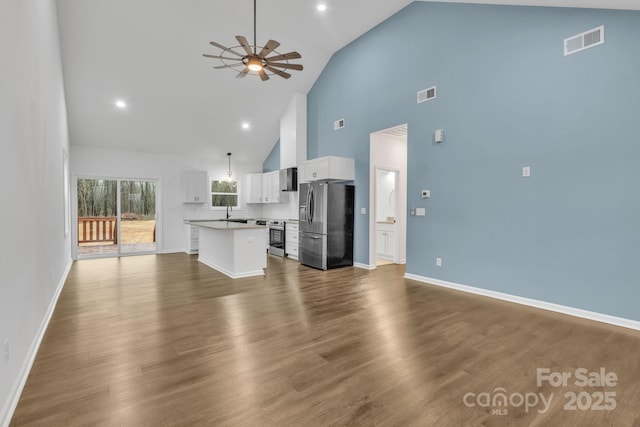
(229,174)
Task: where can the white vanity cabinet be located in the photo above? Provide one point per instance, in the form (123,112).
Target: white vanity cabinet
(386,241)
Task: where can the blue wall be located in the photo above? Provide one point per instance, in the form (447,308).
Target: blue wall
(506,98)
(272,162)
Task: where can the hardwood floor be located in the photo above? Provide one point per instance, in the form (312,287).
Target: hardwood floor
(163,340)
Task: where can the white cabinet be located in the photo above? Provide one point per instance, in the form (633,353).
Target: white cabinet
(195,184)
(329,168)
(193,239)
(386,241)
(291,239)
(253,188)
(270,187)
(264,188)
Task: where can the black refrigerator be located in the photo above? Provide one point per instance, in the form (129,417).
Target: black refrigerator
(326,225)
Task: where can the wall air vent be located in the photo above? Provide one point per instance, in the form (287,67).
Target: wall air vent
(427,94)
(338,124)
(584,40)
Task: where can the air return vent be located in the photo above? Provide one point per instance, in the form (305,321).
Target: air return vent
(338,124)
(427,94)
(584,40)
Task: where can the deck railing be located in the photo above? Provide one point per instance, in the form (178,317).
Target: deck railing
(97,229)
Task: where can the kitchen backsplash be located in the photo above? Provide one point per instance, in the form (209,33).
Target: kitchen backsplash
(282,210)
(287,210)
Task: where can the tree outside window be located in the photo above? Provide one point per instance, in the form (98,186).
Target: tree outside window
(224,193)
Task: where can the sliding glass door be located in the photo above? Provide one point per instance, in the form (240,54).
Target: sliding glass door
(115,217)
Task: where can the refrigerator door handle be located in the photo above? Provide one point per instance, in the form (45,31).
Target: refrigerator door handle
(307,205)
(311,205)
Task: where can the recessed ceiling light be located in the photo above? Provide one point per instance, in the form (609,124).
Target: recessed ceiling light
(120,103)
(245,125)
(321,7)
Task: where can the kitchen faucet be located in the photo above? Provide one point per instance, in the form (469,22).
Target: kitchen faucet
(229,208)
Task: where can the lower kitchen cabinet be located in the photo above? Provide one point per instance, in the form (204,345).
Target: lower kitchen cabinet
(193,239)
(291,239)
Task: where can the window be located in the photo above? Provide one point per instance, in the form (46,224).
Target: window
(224,193)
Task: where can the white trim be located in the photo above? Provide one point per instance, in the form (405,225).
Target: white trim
(364,266)
(15,393)
(571,311)
(229,273)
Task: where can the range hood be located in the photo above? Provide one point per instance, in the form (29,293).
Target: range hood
(289,179)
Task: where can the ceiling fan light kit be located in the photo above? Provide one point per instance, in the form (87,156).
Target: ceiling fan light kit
(253,61)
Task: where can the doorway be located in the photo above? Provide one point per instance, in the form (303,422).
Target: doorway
(388,196)
(115,217)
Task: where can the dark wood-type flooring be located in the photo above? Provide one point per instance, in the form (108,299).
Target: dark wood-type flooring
(163,340)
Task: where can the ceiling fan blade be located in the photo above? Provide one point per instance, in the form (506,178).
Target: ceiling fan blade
(285,57)
(263,75)
(286,66)
(242,74)
(226,58)
(278,72)
(245,44)
(226,49)
(220,67)
(268,48)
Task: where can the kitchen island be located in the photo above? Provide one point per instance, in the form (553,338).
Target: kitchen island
(235,249)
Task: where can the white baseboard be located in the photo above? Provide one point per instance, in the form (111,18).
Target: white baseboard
(364,266)
(571,311)
(16,391)
(230,273)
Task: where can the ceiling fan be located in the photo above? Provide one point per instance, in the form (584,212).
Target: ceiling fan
(254,61)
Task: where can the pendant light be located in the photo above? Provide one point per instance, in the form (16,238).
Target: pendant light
(229,174)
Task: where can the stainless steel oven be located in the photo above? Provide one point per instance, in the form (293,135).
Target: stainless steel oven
(276,238)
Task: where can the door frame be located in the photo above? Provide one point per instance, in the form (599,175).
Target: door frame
(118,254)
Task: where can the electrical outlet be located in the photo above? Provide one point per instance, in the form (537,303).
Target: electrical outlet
(363,211)
(5,350)
(438,262)
(425,194)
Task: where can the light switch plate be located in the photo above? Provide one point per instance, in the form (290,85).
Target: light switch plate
(438,262)
(526,171)
(421,211)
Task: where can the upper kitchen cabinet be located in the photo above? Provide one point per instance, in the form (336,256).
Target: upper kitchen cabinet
(264,188)
(271,188)
(329,168)
(253,188)
(194,184)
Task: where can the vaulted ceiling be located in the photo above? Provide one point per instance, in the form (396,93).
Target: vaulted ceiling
(149,54)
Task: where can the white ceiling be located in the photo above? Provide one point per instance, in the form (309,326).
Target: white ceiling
(149,53)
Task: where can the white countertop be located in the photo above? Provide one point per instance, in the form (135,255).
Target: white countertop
(224,225)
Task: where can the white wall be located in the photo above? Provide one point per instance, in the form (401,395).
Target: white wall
(389,152)
(33,134)
(87,161)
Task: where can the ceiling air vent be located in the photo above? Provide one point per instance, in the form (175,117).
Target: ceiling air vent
(427,94)
(584,40)
(338,124)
